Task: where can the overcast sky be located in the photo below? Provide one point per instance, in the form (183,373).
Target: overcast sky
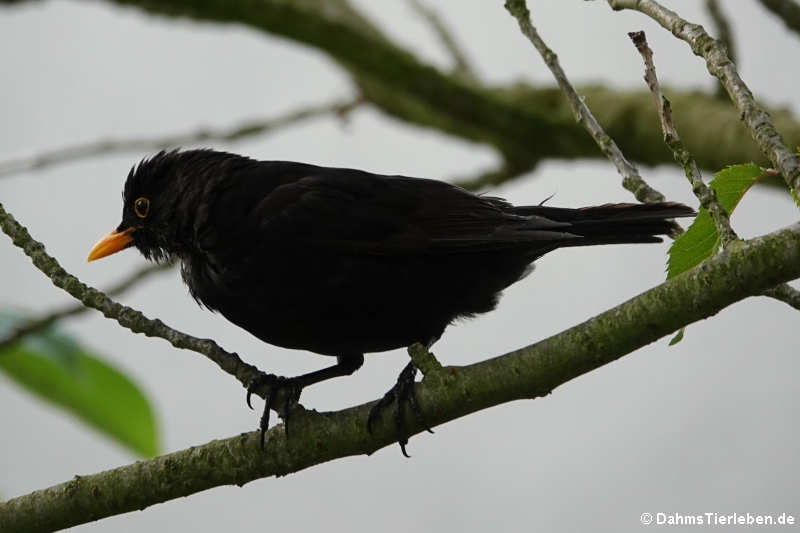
(709,425)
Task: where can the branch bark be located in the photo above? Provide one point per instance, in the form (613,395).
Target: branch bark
(786,294)
(745,269)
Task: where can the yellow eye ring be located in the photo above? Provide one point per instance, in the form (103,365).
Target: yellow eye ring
(141,207)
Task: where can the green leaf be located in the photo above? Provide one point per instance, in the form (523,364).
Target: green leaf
(701,240)
(56,368)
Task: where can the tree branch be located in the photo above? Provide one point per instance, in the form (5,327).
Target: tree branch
(631,179)
(37,324)
(461,65)
(719,64)
(724,32)
(787,10)
(706,195)
(786,294)
(744,269)
(235,133)
(127,317)
(724,35)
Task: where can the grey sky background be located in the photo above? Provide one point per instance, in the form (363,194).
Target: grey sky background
(709,425)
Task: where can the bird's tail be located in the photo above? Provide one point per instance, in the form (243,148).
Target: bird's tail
(613,223)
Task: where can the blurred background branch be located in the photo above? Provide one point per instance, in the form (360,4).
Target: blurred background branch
(246,129)
(35,325)
(461,65)
(724,35)
(523,123)
(631,179)
(787,10)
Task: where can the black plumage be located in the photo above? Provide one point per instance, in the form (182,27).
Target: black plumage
(343,262)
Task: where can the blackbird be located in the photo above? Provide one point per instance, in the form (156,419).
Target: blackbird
(343,262)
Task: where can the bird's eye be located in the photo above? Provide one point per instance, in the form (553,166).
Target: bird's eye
(141,207)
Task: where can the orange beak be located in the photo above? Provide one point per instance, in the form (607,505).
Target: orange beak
(111,243)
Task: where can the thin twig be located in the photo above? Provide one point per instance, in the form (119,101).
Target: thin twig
(235,133)
(719,64)
(787,10)
(786,294)
(706,195)
(127,317)
(631,179)
(461,65)
(37,324)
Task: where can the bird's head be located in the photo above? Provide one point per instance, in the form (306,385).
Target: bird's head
(157,207)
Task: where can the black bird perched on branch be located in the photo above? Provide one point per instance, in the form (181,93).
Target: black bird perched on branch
(343,262)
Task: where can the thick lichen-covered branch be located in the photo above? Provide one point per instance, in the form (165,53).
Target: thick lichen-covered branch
(744,269)
(631,179)
(755,117)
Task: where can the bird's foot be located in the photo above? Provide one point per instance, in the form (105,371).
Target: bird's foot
(403,394)
(289,388)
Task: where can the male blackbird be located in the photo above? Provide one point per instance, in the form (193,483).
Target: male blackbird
(343,262)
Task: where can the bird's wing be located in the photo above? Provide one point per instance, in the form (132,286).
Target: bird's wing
(360,212)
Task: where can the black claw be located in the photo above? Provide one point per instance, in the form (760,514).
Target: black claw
(375,412)
(400,425)
(287,405)
(275,384)
(260,380)
(403,448)
(402,394)
(249,393)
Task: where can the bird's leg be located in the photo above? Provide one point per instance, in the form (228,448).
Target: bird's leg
(403,394)
(345,365)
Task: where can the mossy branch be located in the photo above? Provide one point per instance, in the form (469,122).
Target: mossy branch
(745,269)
